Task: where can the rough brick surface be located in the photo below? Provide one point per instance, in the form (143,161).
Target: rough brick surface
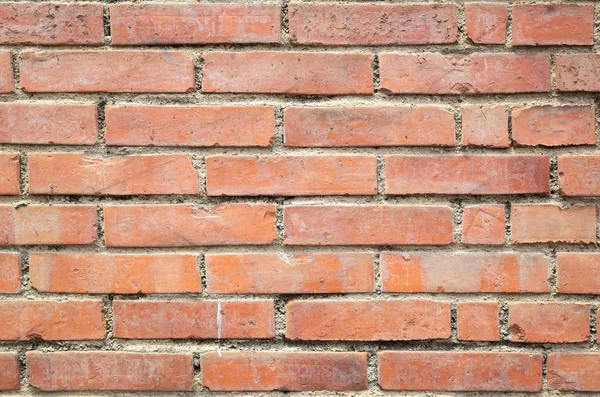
(486,22)
(483,224)
(10,272)
(478,321)
(547,223)
(6,72)
(578,175)
(485,126)
(573,371)
(9,173)
(577,72)
(578,272)
(10,377)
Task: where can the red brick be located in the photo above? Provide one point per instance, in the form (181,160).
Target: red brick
(48,123)
(51,23)
(291,175)
(47,224)
(113,273)
(483,224)
(310,73)
(52,320)
(248,319)
(432,73)
(367,319)
(368,225)
(553,24)
(548,322)
(550,223)
(486,22)
(433,272)
(577,72)
(107,71)
(573,371)
(554,125)
(578,175)
(578,273)
(170,23)
(100,370)
(478,321)
(6,72)
(142,125)
(10,373)
(372,24)
(75,173)
(10,274)
(458,174)
(264,371)
(369,126)
(460,371)
(181,225)
(302,273)
(9,173)
(485,126)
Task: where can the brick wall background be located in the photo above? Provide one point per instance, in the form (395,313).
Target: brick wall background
(353,198)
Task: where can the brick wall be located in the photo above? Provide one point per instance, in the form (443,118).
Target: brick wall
(299,196)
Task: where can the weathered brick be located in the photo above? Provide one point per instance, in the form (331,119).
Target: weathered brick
(52,320)
(100,370)
(290,371)
(452,174)
(48,123)
(9,173)
(368,225)
(573,371)
(310,73)
(483,224)
(193,320)
(432,73)
(460,371)
(51,23)
(6,72)
(480,272)
(550,223)
(578,175)
(146,125)
(10,373)
(75,173)
(578,272)
(113,273)
(302,273)
(171,23)
(181,225)
(106,71)
(485,126)
(369,126)
(10,273)
(548,322)
(554,125)
(372,24)
(577,72)
(478,321)
(486,22)
(367,320)
(291,175)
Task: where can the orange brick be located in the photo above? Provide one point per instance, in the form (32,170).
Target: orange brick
(486,22)
(578,175)
(554,125)
(107,71)
(578,273)
(113,273)
(550,223)
(367,320)
(75,173)
(142,125)
(485,126)
(480,272)
(458,174)
(291,175)
(194,320)
(368,225)
(478,321)
(52,320)
(9,173)
(573,371)
(264,371)
(51,23)
(309,73)
(100,370)
(171,23)
(460,371)
(10,274)
(483,224)
(48,123)
(47,224)
(6,72)
(302,273)
(577,72)
(553,24)
(372,24)
(369,126)
(432,73)
(548,322)
(181,225)
(10,373)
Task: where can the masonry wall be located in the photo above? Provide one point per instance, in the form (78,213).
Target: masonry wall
(371,198)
